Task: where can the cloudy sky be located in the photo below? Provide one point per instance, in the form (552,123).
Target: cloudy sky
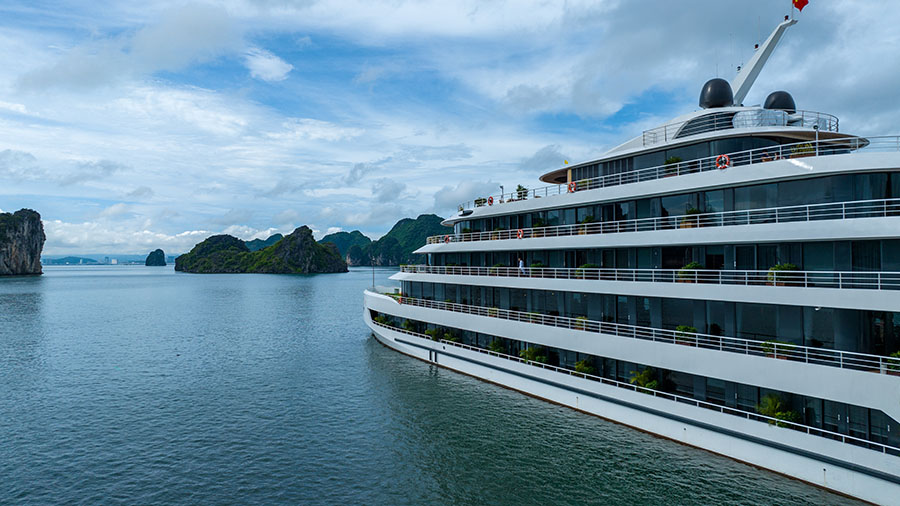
(136,125)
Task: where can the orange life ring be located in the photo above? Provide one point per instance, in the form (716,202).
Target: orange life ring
(572,186)
(490,201)
(447,239)
(520,233)
(723,162)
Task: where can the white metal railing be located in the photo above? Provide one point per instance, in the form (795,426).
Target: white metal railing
(805,279)
(772,349)
(812,212)
(749,157)
(749,415)
(728,120)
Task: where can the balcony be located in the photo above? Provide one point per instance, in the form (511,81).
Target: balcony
(803,279)
(824,147)
(770,349)
(814,212)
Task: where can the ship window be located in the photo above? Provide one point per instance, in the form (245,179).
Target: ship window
(866,255)
(755,197)
(766,256)
(858,421)
(553,217)
(713,201)
(812,412)
(675,257)
(818,327)
(747,397)
(692,152)
(715,391)
(715,257)
(871,186)
(654,159)
(833,417)
(715,317)
(745,257)
(622,314)
(643,312)
(676,205)
(890,255)
(818,256)
(677,312)
(755,321)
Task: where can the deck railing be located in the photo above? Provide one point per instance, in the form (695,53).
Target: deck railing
(804,279)
(749,415)
(755,156)
(771,349)
(729,120)
(812,212)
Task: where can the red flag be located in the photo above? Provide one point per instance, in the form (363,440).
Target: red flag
(800,4)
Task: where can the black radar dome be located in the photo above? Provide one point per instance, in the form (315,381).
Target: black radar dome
(782,101)
(716,93)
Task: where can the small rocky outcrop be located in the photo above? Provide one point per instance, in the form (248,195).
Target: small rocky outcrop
(21,242)
(296,253)
(156,258)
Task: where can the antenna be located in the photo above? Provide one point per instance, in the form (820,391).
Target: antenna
(745,79)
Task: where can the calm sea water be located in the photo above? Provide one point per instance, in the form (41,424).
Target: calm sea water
(145,386)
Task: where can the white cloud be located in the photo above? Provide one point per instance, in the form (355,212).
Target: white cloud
(265,65)
(18,108)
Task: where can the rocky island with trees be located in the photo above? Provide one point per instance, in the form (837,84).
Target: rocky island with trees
(296,253)
(21,242)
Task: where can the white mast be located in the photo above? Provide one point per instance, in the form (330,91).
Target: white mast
(745,78)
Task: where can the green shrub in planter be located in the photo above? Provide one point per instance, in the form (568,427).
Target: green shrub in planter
(778,274)
(497,346)
(685,334)
(534,354)
(772,406)
(585,366)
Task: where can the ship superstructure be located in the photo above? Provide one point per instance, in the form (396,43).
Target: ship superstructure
(730,280)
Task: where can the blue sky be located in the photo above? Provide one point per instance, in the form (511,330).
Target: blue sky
(135,126)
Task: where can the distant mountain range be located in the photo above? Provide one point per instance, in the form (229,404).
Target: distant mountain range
(394,248)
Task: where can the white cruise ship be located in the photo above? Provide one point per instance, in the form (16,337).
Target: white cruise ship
(729,280)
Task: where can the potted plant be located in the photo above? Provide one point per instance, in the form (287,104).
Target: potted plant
(497,346)
(480,202)
(495,270)
(581,323)
(778,275)
(521,192)
(778,349)
(453,338)
(690,219)
(685,334)
(893,364)
(802,150)
(671,166)
(686,274)
(772,406)
(645,379)
(585,366)
(493,312)
(534,354)
(583,272)
(466,230)
(432,333)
